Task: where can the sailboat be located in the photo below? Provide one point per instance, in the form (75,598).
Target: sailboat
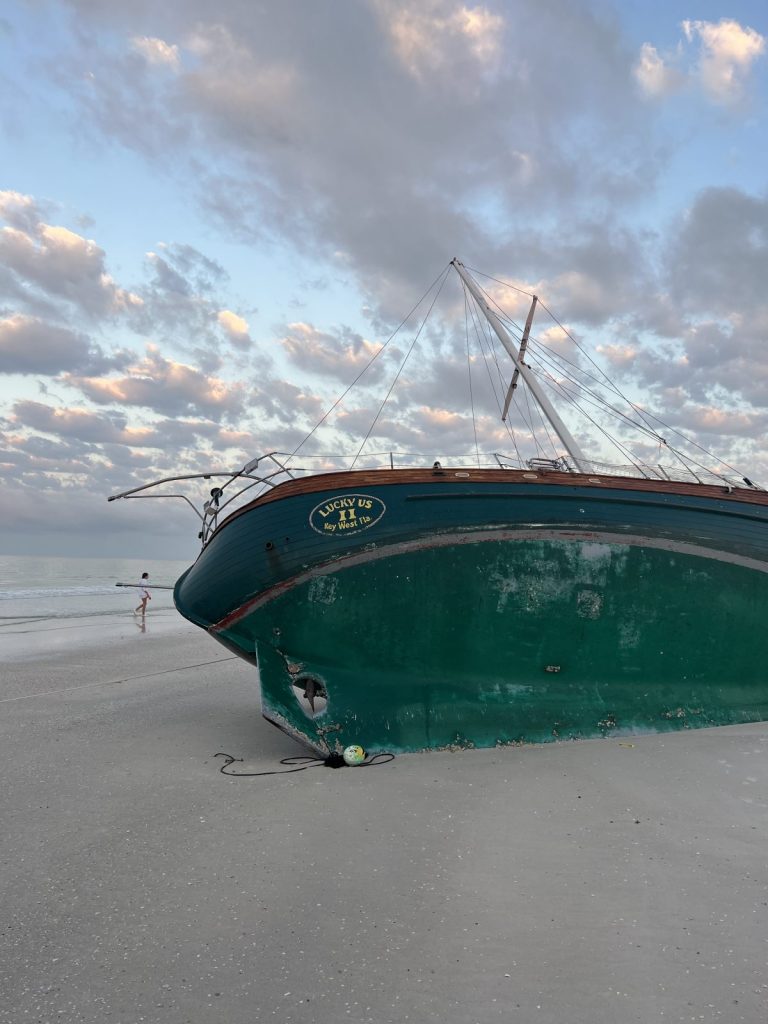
(450,606)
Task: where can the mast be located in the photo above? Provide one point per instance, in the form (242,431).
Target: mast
(558,426)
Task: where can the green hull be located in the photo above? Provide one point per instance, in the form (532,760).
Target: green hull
(483,608)
(509,641)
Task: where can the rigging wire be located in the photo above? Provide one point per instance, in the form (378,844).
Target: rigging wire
(559,387)
(373,359)
(493,341)
(576,378)
(543,423)
(402,365)
(541,354)
(480,333)
(622,448)
(552,358)
(529,420)
(610,383)
(599,402)
(695,444)
(539,447)
(512,433)
(603,379)
(645,415)
(469,376)
(484,332)
(489,277)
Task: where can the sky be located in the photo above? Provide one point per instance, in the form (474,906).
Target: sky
(214,215)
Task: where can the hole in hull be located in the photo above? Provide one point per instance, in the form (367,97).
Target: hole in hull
(310,695)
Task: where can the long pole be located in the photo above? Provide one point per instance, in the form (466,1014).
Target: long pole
(152,586)
(501,333)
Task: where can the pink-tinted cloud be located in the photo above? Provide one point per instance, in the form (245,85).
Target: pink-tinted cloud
(165,386)
(29,345)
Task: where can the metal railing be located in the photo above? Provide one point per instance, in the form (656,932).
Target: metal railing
(208,513)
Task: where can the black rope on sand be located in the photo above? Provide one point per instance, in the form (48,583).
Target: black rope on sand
(302,762)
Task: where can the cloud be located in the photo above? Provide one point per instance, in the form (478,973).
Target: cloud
(80,424)
(718,259)
(443,35)
(370,142)
(657,77)
(588,297)
(20,211)
(230,83)
(58,261)
(187,269)
(167,278)
(290,405)
(235,328)
(719,68)
(333,134)
(47,453)
(28,345)
(721,422)
(234,439)
(57,518)
(618,355)
(156,51)
(181,303)
(165,386)
(727,54)
(341,357)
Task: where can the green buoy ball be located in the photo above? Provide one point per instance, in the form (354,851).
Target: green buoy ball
(353,754)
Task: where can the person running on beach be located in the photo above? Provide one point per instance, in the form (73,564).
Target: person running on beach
(144,595)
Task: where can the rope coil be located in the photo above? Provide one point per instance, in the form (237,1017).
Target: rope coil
(300,763)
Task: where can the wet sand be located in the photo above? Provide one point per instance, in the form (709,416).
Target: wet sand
(603,882)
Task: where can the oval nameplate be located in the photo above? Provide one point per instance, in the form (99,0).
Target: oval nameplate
(346,513)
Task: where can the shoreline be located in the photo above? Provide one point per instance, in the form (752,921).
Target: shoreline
(25,638)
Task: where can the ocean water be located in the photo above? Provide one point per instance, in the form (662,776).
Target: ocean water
(42,587)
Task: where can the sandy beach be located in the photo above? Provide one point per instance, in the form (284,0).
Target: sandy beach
(602,882)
